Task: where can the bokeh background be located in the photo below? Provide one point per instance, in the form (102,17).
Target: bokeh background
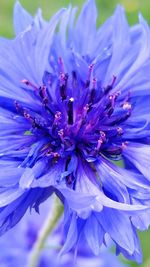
(105,8)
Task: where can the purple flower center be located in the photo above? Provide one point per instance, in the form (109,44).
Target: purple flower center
(77,116)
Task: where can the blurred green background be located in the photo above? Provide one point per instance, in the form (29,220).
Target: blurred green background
(105,7)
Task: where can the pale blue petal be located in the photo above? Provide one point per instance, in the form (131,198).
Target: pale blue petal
(22,19)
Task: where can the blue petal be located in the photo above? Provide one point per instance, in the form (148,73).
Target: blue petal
(142,56)
(81,203)
(86,184)
(119,227)
(129,178)
(94,233)
(52,177)
(111,183)
(10,176)
(43,45)
(65,20)
(9,195)
(138,125)
(72,236)
(87,18)
(120,39)
(20,48)
(26,179)
(22,19)
(137,254)
(142,221)
(103,40)
(138,155)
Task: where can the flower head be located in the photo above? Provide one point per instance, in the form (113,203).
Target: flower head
(74,101)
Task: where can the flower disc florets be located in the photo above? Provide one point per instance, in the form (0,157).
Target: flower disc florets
(84,119)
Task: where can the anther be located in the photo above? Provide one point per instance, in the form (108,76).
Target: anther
(85,110)
(28,83)
(113,81)
(93,91)
(119,130)
(111,105)
(17,106)
(91,68)
(110,86)
(48,153)
(55,154)
(127,106)
(102,136)
(63,85)
(70,110)
(124,145)
(99,143)
(61,64)
(89,75)
(56,120)
(43,95)
(94,82)
(114,97)
(61,134)
(62,77)
(57,116)
(31,120)
(42,91)
(52,154)
(26,115)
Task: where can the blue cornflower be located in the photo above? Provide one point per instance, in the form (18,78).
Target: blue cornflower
(74,100)
(15,248)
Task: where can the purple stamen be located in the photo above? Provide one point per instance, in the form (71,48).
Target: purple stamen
(28,83)
(70,110)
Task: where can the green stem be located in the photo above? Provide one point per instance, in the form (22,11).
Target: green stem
(48,227)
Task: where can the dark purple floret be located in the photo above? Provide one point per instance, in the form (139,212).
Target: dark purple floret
(88,124)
